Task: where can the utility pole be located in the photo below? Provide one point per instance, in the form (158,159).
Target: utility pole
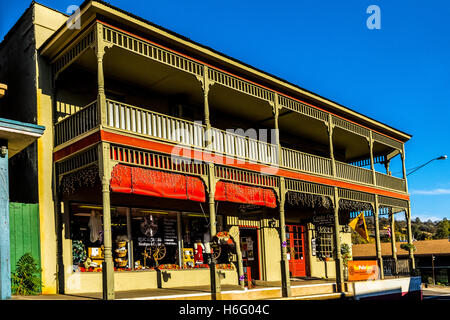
(432,267)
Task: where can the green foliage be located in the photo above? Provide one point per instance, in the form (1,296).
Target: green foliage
(421,230)
(408,246)
(345,252)
(26,280)
(443,229)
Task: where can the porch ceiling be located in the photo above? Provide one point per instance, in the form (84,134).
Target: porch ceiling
(153,77)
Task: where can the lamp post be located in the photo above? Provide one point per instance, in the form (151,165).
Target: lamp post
(410,237)
(444,157)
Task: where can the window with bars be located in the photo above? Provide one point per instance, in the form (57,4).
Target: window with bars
(324,237)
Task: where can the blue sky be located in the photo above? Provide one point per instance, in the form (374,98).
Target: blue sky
(398,74)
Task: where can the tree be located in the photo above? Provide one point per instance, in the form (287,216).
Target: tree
(442,229)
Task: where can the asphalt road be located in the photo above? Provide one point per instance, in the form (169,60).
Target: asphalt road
(436,294)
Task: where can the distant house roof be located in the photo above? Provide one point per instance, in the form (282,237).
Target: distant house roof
(425,247)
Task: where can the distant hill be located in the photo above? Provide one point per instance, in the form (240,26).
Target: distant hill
(421,230)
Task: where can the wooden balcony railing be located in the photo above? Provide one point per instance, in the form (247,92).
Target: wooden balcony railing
(390,182)
(238,146)
(153,124)
(297,160)
(159,126)
(76,124)
(350,172)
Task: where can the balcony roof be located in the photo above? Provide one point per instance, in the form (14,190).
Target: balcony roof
(92,9)
(19,134)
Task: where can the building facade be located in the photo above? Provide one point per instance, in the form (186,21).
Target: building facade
(158,148)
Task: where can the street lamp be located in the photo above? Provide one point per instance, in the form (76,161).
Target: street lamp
(444,157)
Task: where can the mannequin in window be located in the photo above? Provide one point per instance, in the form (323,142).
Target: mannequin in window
(208,251)
(199,249)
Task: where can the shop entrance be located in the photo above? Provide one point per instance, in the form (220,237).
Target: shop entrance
(249,249)
(295,238)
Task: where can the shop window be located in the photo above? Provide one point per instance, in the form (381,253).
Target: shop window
(155,241)
(143,239)
(324,242)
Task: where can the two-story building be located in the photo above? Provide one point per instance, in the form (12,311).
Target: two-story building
(157,146)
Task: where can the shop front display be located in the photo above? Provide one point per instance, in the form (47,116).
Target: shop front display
(146,240)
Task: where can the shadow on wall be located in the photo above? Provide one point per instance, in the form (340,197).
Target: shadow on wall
(162,276)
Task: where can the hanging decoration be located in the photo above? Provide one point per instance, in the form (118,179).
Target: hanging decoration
(87,177)
(78,252)
(308,200)
(149,226)
(351,205)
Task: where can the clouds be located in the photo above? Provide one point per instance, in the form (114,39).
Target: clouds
(432,192)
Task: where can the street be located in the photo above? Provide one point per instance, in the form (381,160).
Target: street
(435,293)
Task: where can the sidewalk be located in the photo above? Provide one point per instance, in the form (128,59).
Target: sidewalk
(432,287)
(266,290)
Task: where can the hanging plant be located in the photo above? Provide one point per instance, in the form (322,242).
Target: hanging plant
(345,253)
(408,247)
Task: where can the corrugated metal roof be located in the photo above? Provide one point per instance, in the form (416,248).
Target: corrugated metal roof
(425,247)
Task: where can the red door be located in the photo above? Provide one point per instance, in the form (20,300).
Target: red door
(295,238)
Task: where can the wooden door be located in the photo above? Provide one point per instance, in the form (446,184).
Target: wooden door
(295,238)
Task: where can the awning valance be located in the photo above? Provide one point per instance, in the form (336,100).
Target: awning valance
(227,191)
(126,179)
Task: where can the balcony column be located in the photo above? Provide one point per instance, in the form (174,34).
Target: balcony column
(276,114)
(285,278)
(402,154)
(386,165)
(337,241)
(330,127)
(393,248)
(105,177)
(101,96)
(206,83)
(216,293)
(410,236)
(59,231)
(57,201)
(377,237)
(372,162)
(237,240)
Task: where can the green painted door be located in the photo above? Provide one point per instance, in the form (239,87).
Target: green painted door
(24,232)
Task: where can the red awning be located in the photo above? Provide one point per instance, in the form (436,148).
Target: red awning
(126,179)
(226,191)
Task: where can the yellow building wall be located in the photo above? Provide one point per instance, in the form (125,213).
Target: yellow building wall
(46,22)
(324,269)
(271,254)
(91,282)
